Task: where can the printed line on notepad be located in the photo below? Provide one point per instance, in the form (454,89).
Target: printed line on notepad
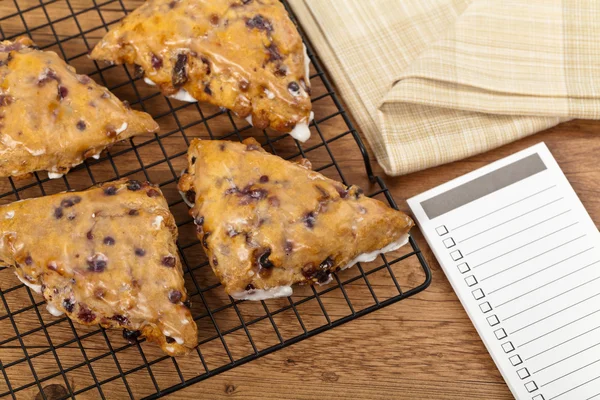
(573,388)
(565,359)
(560,344)
(525,245)
(537,272)
(529,259)
(500,209)
(516,233)
(546,284)
(510,220)
(559,328)
(550,299)
(554,314)
(570,373)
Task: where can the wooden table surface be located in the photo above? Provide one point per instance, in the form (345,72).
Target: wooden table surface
(424,347)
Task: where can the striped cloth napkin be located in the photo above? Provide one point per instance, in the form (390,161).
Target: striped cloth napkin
(434,81)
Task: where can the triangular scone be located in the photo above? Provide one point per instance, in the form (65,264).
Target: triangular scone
(267,223)
(105,256)
(51,119)
(244,55)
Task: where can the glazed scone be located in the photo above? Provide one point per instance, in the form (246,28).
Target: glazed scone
(243,55)
(266,223)
(51,119)
(105,256)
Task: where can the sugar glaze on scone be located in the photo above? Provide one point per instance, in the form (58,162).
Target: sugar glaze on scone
(107,256)
(244,55)
(51,118)
(267,223)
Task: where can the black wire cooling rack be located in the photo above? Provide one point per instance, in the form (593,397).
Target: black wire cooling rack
(50,357)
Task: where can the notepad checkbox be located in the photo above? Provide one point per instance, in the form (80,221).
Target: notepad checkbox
(463,268)
(456,255)
(515,360)
(485,307)
(523,373)
(441,230)
(449,243)
(531,386)
(493,320)
(508,347)
(500,334)
(471,281)
(538,397)
(478,294)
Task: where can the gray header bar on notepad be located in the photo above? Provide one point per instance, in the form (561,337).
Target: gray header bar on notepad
(482,186)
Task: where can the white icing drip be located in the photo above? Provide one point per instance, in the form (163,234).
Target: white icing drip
(54,175)
(44,74)
(178,340)
(249,119)
(9,141)
(53,310)
(306,66)
(156,223)
(13,144)
(329,279)
(166,332)
(185,321)
(96,156)
(182,95)
(182,194)
(368,257)
(98,257)
(301,131)
(263,294)
(9,215)
(270,95)
(122,128)
(190,204)
(37,152)
(32,286)
(295,93)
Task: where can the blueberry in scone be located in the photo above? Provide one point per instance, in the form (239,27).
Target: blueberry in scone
(105,255)
(246,56)
(51,118)
(266,223)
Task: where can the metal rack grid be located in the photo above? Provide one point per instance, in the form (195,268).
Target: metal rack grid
(38,350)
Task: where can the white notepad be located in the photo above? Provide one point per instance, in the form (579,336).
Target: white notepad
(523,255)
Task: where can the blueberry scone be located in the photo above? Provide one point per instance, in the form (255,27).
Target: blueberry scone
(105,256)
(244,55)
(51,118)
(266,223)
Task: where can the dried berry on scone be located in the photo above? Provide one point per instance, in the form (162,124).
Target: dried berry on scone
(266,223)
(51,118)
(99,256)
(246,56)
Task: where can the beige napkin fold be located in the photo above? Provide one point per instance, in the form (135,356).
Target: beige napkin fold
(434,81)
